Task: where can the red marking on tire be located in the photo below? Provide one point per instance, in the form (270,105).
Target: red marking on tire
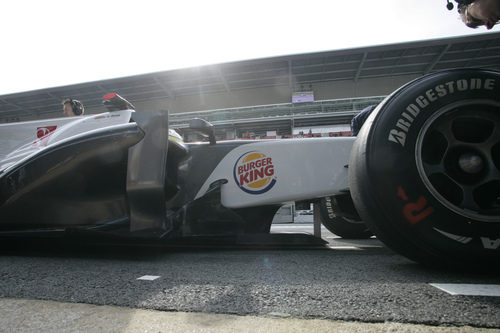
(402,194)
(415,212)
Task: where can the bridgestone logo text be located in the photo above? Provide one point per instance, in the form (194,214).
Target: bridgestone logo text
(398,133)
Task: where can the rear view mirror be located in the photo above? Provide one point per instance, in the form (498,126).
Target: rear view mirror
(204,128)
(114,102)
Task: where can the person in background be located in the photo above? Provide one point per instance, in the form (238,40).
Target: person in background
(475,13)
(72,107)
(358,120)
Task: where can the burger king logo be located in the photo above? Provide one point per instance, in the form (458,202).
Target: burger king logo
(254,173)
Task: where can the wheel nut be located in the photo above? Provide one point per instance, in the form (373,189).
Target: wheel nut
(470,163)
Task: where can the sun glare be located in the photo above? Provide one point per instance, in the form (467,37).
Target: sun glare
(55,43)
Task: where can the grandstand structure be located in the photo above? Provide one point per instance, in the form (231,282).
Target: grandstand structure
(254,98)
(287,120)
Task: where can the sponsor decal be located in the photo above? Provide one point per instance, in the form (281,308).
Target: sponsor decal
(106,116)
(254,173)
(43,134)
(402,126)
(458,238)
(329,207)
(488,243)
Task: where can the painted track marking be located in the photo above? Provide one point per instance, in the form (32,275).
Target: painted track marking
(148,277)
(469,289)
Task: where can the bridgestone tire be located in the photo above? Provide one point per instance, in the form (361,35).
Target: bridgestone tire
(424,171)
(340,226)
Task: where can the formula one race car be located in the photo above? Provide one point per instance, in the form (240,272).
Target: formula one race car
(423,173)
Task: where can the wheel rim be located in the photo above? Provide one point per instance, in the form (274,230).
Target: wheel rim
(458,158)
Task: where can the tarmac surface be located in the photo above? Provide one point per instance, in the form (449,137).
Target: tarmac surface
(348,285)
(47,316)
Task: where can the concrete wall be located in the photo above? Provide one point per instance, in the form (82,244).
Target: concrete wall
(271,95)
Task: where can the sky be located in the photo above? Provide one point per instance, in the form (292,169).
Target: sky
(60,42)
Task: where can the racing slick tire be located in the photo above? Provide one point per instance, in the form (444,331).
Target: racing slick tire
(348,228)
(424,172)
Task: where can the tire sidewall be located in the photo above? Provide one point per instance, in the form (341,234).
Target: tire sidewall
(339,225)
(391,173)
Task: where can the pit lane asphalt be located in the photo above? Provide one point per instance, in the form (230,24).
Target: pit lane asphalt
(349,281)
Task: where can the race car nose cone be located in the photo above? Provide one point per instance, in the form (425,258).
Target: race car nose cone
(470,163)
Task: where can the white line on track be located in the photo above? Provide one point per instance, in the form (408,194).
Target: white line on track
(345,247)
(297,225)
(148,277)
(469,289)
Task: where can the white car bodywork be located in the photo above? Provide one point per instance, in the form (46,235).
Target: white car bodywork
(24,139)
(319,169)
(272,172)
